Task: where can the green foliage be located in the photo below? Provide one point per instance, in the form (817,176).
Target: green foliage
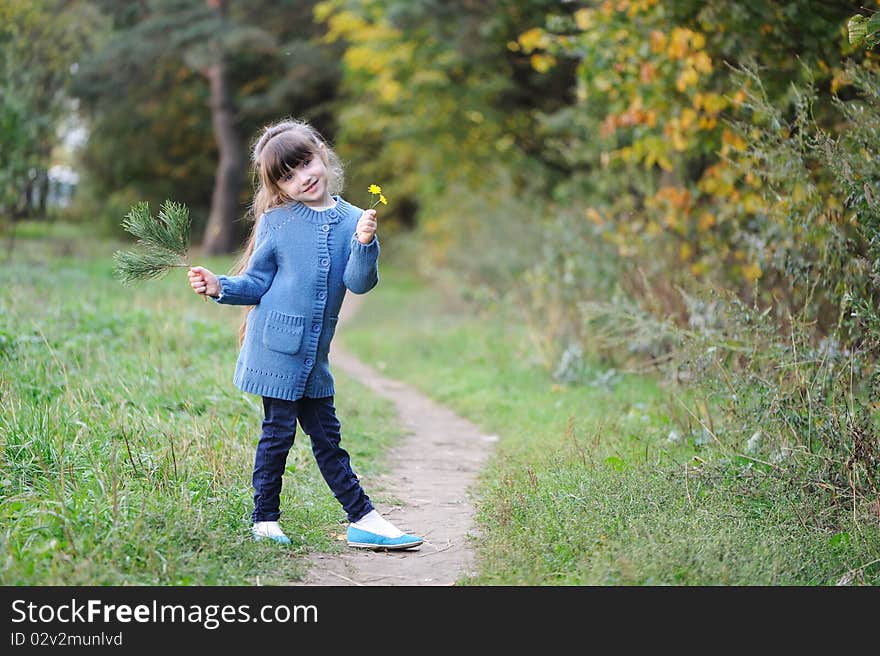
(169,230)
(864,30)
(599,167)
(125,450)
(799,410)
(146,97)
(819,228)
(435,103)
(597,483)
(145,264)
(164,242)
(40,43)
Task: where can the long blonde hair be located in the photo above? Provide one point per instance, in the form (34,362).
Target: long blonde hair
(279,149)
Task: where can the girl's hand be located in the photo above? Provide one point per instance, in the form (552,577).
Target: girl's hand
(366,227)
(203,281)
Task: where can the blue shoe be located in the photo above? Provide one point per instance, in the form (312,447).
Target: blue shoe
(269,530)
(357,537)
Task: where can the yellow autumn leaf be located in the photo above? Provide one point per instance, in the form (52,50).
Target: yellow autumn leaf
(699,268)
(685,252)
(542,62)
(534,39)
(839,80)
(752,203)
(688,77)
(702,62)
(365,59)
(664,163)
(658,41)
(751,272)
(714,103)
(389,91)
(679,142)
(706,221)
(732,140)
(688,116)
(594,216)
(583,18)
(678,43)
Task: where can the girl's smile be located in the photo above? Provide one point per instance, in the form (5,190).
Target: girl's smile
(307,183)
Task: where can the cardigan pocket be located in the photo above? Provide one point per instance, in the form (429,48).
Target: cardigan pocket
(283,332)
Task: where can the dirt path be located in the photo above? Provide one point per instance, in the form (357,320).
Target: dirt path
(431,471)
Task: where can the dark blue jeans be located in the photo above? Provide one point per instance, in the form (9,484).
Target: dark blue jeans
(318,420)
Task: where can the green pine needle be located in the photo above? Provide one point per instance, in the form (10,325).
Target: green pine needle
(145,264)
(163,240)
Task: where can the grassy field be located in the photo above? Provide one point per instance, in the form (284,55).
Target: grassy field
(127,451)
(590,485)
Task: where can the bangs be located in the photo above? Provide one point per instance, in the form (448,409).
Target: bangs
(285,152)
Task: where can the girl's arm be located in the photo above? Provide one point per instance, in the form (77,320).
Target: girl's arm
(362,270)
(248,287)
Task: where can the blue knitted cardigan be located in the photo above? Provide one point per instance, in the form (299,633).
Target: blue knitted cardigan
(302,264)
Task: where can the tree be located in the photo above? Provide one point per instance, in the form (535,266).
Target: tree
(167,60)
(436,105)
(40,43)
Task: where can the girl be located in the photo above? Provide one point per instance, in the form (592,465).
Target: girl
(307,247)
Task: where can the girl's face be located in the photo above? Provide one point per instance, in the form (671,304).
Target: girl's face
(307,182)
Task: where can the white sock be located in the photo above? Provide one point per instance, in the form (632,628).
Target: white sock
(268,529)
(375,523)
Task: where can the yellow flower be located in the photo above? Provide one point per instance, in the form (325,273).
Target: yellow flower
(376,190)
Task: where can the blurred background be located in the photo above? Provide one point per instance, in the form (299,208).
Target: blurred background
(687,188)
(581,149)
(553,155)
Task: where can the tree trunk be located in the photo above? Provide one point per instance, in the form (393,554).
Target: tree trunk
(231,165)
(43,192)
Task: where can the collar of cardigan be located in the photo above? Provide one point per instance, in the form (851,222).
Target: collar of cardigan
(330,215)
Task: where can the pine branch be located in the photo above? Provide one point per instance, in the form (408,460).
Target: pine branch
(163,240)
(145,264)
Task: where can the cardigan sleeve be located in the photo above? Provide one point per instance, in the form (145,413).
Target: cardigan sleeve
(248,287)
(362,270)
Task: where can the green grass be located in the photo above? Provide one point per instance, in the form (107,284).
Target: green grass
(587,486)
(126,450)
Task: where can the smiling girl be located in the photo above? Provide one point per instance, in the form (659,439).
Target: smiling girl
(308,246)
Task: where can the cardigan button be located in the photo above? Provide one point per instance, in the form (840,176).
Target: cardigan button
(316,327)
(325,261)
(333,214)
(322,295)
(325,228)
(309,362)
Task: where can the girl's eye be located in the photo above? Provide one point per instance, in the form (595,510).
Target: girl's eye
(306,162)
(287,178)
